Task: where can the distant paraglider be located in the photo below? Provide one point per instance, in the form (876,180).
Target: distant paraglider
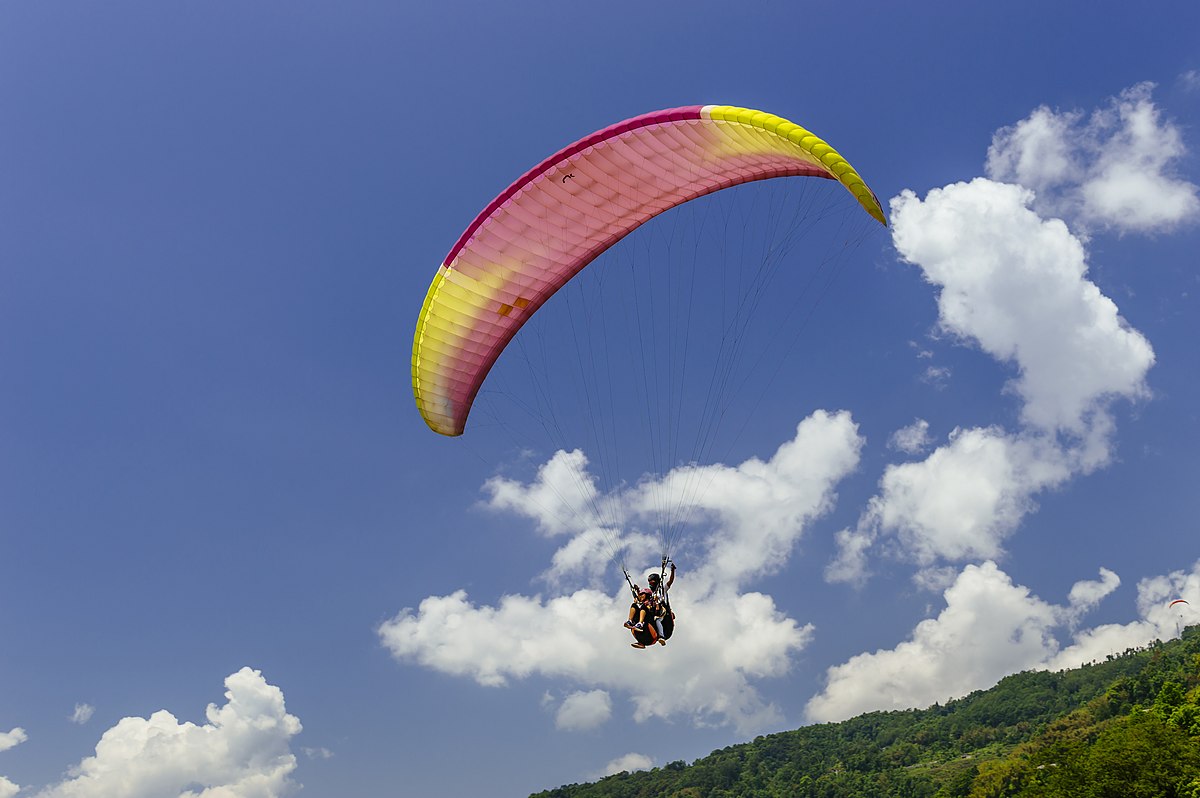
(1178,604)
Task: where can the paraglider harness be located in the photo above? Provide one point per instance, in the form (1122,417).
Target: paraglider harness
(668,617)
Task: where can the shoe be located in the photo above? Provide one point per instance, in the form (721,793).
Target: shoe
(629,624)
(638,645)
(662,642)
(641,627)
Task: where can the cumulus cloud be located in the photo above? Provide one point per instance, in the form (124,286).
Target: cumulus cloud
(562,499)
(731,640)
(12,738)
(937,376)
(1086,595)
(583,710)
(853,548)
(1112,168)
(241,752)
(1157,621)
(912,439)
(960,503)
(751,517)
(989,628)
(1037,152)
(1015,286)
(626,764)
(935,579)
(82,714)
(759,510)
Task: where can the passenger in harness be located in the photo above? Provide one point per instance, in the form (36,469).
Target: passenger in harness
(641,618)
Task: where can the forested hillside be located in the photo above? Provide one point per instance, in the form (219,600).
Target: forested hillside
(1128,726)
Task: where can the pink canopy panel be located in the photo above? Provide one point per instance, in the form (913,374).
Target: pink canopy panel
(560,215)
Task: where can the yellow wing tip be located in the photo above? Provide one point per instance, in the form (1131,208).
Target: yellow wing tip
(827,157)
(438,422)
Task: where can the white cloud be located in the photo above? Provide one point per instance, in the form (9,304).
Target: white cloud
(990,628)
(960,503)
(912,439)
(1111,168)
(935,579)
(759,510)
(706,673)
(753,516)
(563,499)
(1014,285)
(628,763)
(12,738)
(583,710)
(1037,152)
(82,714)
(922,353)
(241,752)
(1086,595)
(1156,620)
(853,546)
(937,376)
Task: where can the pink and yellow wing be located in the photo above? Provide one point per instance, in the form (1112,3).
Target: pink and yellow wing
(560,215)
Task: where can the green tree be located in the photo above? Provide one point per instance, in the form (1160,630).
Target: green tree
(1139,756)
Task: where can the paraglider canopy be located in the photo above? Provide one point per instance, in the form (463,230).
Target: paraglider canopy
(559,216)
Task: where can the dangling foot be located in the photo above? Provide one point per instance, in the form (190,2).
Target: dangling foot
(641,627)
(638,645)
(662,642)
(629,624)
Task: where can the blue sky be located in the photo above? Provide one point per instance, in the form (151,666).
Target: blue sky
(218,501)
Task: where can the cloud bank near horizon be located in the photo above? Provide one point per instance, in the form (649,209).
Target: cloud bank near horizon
(989,628)
(242,751)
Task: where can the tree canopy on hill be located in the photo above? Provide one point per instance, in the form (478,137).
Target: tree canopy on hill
(1123,728)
